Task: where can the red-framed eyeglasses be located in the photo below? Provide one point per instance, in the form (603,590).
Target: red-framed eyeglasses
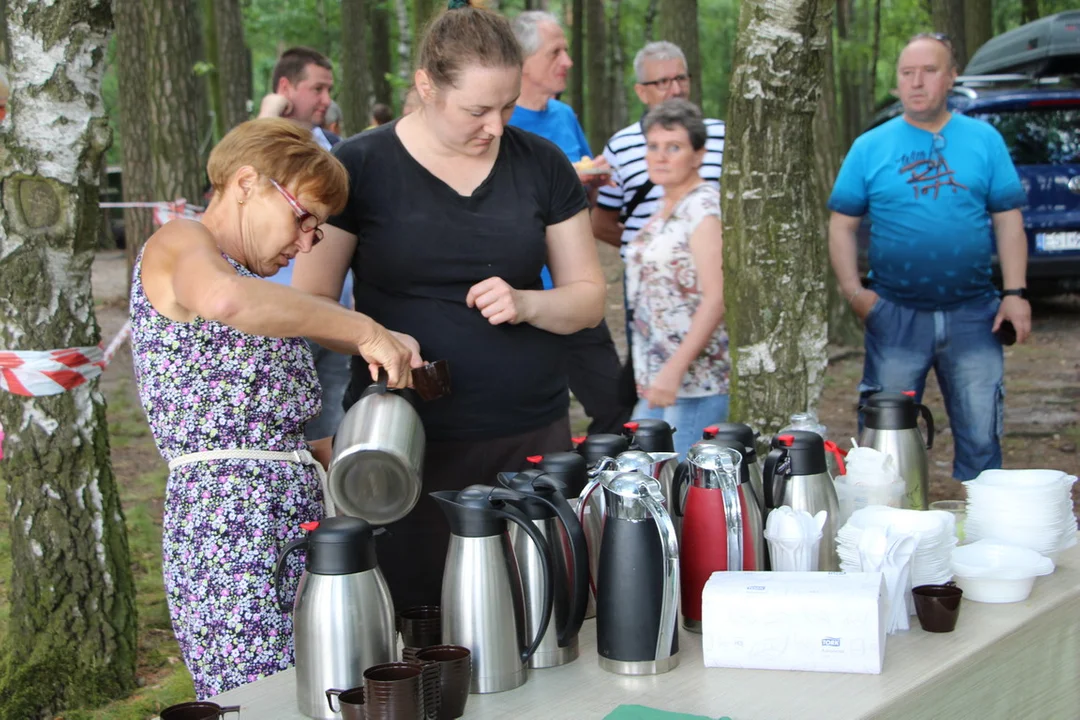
(308,221)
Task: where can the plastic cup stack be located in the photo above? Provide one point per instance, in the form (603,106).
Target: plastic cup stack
(794,537)
(1026,508)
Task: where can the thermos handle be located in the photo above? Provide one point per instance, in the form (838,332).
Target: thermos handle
(604,464)
(669,604)
(681,477)
(774,468)
(279,572)
(579,552)
(583,505)
(514,515)
(380,386)
(929,418)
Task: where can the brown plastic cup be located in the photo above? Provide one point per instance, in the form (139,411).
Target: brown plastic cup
(938,606)
(394,691)
(432,381)
(455,676)
(420,626)
(350,703)
(198,711)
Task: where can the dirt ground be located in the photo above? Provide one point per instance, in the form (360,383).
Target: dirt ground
(1042,416)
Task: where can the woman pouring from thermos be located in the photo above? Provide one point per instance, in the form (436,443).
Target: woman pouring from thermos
(228,383)
(451,216)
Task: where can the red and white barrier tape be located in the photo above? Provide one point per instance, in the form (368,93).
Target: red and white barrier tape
(36,373)
(163,211)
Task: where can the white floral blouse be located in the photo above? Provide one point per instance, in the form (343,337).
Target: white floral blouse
(662,289)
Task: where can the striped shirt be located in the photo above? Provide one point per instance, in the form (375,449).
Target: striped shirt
(625,152)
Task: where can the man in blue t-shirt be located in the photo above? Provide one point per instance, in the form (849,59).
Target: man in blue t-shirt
(592,362)
(940,191)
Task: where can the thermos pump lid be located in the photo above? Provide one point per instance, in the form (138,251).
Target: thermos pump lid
(340,546)
(601,445)
(569,467)
(743,434)
(651,435)
(806,450)
(891,411)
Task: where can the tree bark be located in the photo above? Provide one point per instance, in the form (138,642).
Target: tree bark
(379,61)
(678,23)
(577,54)
(844,327)
(71,632)
(598,102)
(233,64)
(210,69)
(1029,11)
(875,53)
(137,175)
(948,18)
(173,99)
(978,24)
(354,93)
(650,19)
(774,256)
(616,87)
(405,63)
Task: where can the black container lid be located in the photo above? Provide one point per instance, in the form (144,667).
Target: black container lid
(601,445)
(735,431)
(523,482)
(651,435)
(340,546)
(806,450)
(472,512)
(568,467)
(891,411)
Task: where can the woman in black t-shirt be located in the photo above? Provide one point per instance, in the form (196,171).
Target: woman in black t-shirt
(451,216)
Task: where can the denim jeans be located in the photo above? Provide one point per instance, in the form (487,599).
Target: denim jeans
(902,345)
(333,371)
(689,416)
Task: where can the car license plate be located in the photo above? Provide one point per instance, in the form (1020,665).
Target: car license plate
(1057,241)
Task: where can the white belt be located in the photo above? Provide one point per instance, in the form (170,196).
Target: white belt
(300,457)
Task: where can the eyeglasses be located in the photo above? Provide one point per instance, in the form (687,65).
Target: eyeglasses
(307,221)
(663,84)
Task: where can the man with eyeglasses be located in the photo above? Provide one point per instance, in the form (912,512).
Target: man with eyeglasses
(940,192)
(626,204)
(302,80)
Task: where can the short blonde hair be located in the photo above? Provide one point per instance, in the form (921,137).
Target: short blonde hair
(282,150)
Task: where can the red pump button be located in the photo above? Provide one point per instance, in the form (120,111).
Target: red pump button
(534,459)
(909,393)
(578,440)
(710,432)
(786,440)
(632,426)
(310,526)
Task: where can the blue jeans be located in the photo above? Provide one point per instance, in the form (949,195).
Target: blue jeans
(902,345)
(689,416)
(334,374)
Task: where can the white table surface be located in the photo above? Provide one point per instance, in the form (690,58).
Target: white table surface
(1020,660)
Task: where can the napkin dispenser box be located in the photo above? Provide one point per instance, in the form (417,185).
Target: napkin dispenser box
(819,621)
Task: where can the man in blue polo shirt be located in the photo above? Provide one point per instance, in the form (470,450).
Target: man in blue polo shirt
(939,190)
(592,361)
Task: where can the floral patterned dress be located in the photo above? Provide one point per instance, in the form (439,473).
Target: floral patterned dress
(207,386)
(661,283)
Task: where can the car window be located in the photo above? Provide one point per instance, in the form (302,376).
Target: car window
(1039,136)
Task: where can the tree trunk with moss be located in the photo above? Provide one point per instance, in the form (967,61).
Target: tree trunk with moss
(70,639)
(774,254)
(233,64)
(174,98)
(379,59)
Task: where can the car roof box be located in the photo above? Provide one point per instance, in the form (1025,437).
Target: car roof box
(1048,46)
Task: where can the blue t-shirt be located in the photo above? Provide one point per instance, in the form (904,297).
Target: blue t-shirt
(558,124)
(929,199)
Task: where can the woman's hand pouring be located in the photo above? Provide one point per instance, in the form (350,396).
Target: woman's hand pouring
(396,352)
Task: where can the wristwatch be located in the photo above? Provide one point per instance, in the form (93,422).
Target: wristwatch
(1021,293)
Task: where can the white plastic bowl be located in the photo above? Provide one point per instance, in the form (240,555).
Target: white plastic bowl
(994,572)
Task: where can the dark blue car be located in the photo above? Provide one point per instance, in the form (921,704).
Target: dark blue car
(1040,122)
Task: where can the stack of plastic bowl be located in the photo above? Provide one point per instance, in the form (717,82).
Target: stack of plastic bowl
(992,572)
(1027,508)
(935,531)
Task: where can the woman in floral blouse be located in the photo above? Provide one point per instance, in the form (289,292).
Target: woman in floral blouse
(228,384)
(675,281)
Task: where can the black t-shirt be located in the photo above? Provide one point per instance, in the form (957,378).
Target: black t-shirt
(421,246)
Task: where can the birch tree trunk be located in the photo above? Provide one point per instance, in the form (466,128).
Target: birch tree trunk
(71,632)
(355,93)
(774,254)
(137,178)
